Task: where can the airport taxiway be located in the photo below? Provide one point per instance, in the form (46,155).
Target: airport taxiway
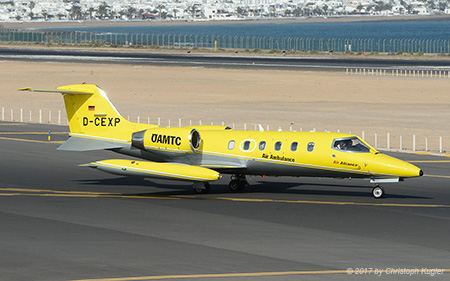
(64,222)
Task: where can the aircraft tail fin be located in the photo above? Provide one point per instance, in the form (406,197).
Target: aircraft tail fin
(89,110)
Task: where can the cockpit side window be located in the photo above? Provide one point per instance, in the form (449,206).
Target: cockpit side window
(352,144)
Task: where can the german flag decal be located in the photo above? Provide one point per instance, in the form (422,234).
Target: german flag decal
(91,108)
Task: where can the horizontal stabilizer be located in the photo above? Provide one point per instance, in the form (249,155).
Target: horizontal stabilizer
(82,144)
(60,91)
(156,170)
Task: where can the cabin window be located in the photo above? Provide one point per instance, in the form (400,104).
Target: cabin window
(352,144)
(278,146)
(231,145)
(294,146)
(246,145)
(310,147)
(262,145)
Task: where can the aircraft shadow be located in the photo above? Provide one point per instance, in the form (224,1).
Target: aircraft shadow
(287,188)
(267,187)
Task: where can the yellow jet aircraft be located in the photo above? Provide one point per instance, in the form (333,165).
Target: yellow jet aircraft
(200,154)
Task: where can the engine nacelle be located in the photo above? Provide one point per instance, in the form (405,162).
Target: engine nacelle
(170,139)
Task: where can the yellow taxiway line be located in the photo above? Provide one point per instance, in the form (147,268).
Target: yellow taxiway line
(33,133)
(430,161)
(437,176)
(12,124)
(37,141)
(220,275)
(86,194)
(253,274)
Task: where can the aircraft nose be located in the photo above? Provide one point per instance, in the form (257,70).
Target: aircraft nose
(388,165)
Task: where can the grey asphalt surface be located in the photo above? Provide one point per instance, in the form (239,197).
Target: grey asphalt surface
(59,221)
(225,61)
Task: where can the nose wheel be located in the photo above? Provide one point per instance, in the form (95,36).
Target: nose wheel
(378,191)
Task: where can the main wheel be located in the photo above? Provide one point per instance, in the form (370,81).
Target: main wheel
(202,189)
(378,192)
(236,185)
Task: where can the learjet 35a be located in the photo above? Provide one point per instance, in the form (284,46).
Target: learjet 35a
(201,154)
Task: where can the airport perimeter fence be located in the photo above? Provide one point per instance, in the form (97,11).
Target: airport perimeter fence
(427,72)
(254,43)
(410,142)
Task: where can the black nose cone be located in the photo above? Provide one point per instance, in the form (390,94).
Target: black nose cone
(420,173)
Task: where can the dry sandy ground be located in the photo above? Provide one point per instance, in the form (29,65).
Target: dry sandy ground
(301,99)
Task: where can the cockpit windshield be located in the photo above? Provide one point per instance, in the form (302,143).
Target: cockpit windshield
(352,144)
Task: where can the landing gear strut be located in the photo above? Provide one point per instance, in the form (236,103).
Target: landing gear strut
(378,191)
(237,183)
(202,187)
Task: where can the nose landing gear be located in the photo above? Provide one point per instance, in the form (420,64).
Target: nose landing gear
(378,191)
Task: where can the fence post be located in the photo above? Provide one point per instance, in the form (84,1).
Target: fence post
(49,116)
(159,121)
(426,144)
(363,135)
(414,142)
(139,119)
(376,141)
(59,117)
(179,122)
(12,114)
(3,114)
(21,115)
(388,140)
(30,115)
(440,144)
(40,116)
(401,142)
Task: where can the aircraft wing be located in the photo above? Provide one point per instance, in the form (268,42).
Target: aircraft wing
(147,169)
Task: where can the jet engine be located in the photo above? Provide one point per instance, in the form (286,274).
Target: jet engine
(170,139)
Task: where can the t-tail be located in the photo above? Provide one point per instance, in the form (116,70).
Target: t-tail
(94,122)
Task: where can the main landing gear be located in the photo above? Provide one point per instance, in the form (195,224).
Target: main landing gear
(237,183)
(202,187)
(378,191)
